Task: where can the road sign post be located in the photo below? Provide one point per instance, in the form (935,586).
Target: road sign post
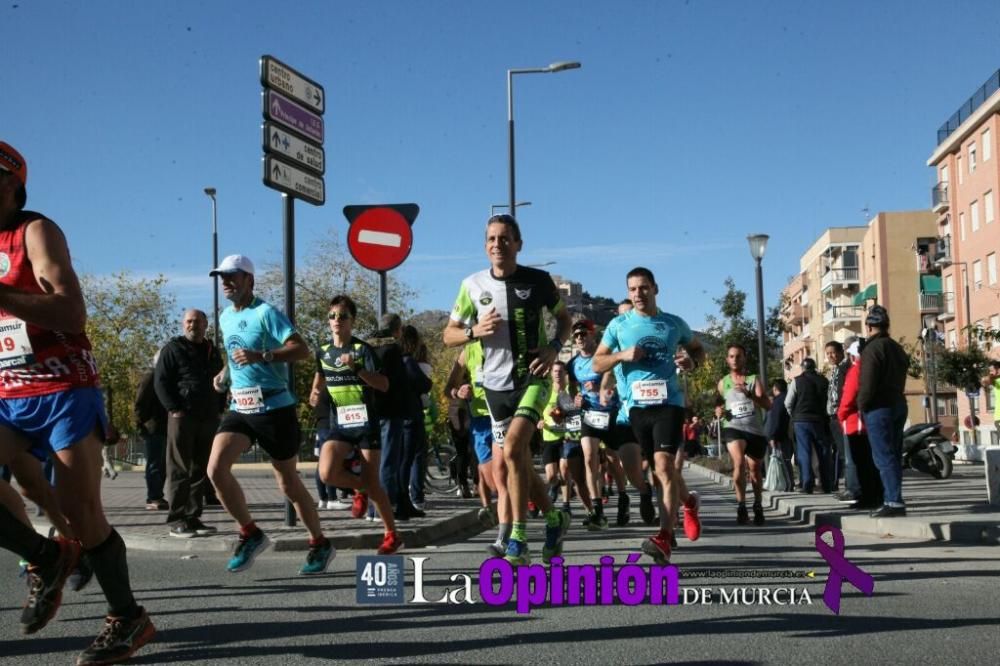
(294,162)
(380,238)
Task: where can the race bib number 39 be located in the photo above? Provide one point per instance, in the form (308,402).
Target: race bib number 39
(352,416)
(249,400)
(15,347)
(652,392)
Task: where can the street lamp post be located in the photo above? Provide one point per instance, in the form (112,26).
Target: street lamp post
(210,191)
(551,69)
(758,244)
(493,207)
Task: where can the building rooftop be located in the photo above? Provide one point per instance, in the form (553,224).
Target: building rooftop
(969,107)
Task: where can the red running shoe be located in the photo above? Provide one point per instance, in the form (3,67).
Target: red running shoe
(533,509)
(692,523)
(392,543)
(360,505)
(658,548)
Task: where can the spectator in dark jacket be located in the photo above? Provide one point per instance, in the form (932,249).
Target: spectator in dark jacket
(882,402)
(183,381)
(391,406)
(151,422)
(777,424)
(870,495)
(414,433)
(843,463)
(806,404)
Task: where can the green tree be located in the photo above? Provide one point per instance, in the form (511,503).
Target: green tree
(962,368)
(129,319)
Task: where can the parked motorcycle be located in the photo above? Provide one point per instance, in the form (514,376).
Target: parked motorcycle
(926,450)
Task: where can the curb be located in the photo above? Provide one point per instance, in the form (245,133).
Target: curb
(978,532)
(413,538)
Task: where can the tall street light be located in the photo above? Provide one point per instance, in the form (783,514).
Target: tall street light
(493,207)
(210,191)
(551,69)
(758,244)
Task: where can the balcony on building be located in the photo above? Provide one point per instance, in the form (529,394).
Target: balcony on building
(939,198)
(843,314)
(942,252)
(931,297)
(842,277)
(947,306)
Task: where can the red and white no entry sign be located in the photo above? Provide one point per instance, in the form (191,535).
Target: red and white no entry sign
(380,237)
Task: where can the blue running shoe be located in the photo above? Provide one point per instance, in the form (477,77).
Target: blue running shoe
(247,549)
(518,553)
(318,559)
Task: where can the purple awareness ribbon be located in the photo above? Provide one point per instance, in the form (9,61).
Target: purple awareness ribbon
(840,568)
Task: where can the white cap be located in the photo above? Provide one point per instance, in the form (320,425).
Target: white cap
(853,349)
(233,263)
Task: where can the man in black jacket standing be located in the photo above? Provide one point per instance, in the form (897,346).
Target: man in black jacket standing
(806,404)
(183,381)
(776,427)
(151,419)
(882,402)
(391,405)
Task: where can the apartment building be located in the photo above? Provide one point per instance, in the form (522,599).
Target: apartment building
(849,269)
(964,199)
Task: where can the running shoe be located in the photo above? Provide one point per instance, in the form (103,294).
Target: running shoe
(646,509)
(497,549)
(157,505)
(623,510)
(692,523)
(45,587)
(392,543)
(247,549)
(554,536)
(487,516)
(119,640)
(338,504)
(82,575)
(533,510)
(657,548)
(742,517)
(517,553)
(360,505)
(758,514)
(318,558)
(597,523)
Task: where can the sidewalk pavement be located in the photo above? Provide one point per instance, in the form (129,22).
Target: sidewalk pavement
(125,501)
(953,509)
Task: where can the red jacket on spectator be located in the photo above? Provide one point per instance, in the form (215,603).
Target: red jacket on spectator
(847,412)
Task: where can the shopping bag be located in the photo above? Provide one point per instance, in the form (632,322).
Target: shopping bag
(775,476)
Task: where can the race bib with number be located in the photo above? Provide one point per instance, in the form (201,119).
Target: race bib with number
(650,392)
(15,347)
(573,423)
(597,420)
(500,430)
(249,400)
(741,409)
(352,416)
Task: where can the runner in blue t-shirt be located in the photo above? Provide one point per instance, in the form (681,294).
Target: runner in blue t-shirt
(259,342)
(650,345)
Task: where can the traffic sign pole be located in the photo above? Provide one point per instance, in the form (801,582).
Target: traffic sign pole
(288,229)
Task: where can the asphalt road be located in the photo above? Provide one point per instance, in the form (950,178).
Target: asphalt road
(932,604)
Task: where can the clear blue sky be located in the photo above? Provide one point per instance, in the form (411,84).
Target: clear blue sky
(690,125)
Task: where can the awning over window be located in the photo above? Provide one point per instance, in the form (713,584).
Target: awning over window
(869,292)
(930,284)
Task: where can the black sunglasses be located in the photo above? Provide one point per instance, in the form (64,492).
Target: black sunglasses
(339,316)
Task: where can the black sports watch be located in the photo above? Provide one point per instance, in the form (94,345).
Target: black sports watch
(469,334)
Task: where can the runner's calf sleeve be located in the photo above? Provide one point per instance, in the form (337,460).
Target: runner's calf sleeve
(111,569)
(25,542)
